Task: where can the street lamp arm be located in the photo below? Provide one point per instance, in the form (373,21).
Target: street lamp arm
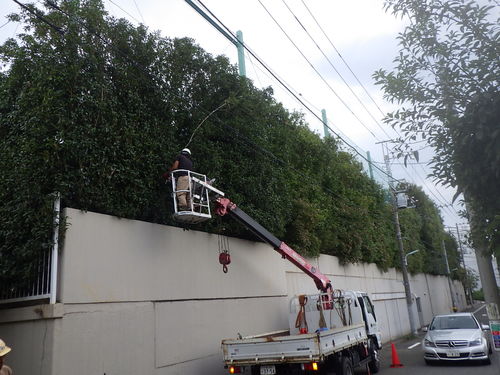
(410,253)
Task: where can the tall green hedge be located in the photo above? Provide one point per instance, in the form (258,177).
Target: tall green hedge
(99,113)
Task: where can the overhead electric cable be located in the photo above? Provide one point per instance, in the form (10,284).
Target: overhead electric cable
(343,60)
(450,204)
(317,72)
(290,91)
(124,11)
(318,110)
(444,205)
(139,11)
(6,23)
(335,69)
(36,12)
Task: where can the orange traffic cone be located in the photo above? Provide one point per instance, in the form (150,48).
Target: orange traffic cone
(395,358)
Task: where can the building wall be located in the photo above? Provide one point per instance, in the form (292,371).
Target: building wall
(143,298)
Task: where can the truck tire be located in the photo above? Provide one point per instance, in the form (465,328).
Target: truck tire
(374,363)
(345,366)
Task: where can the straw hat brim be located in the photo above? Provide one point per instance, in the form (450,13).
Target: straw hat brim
(5,350)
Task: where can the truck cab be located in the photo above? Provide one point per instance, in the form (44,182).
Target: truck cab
(370,318)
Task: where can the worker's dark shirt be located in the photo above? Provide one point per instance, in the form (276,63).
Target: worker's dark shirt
(184,163)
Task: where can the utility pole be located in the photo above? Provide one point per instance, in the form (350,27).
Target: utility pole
(370,167)
(325,123)
(406,280)
(454,305)
(241,54)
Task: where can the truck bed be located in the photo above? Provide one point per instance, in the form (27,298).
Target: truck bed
(273,349)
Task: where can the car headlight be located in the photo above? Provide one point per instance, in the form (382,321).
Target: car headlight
(429,343)
(475,342)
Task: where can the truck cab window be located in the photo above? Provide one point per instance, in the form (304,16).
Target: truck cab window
(369,306)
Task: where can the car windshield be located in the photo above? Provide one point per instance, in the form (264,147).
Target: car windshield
(453,322)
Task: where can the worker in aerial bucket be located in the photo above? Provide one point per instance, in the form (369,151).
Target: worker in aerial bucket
(182,161)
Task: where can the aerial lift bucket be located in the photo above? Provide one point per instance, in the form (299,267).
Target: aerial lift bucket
(197,197)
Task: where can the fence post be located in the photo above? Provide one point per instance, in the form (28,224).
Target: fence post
(55,249)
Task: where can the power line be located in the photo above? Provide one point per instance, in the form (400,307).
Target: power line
(441,195)
(337,130)
(36,12)
(344,61)
(334,68)
(124,11)
(139,11)
(444,205)
(316,71)
(6,23)
(290,91)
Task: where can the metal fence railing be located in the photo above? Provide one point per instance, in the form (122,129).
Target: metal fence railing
(38,287)
(42,285)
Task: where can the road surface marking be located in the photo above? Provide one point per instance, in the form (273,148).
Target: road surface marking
(482,307)
(414,345)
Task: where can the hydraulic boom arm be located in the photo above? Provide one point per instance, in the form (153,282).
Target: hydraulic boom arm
(226,207)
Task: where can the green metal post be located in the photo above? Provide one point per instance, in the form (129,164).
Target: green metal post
(370,168)
(241,54)
(325,123)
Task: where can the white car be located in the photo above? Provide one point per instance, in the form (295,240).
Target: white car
(456,337)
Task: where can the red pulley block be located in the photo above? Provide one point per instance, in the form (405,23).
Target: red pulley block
(224,259)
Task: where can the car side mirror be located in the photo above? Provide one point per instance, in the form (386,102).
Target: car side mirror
(485,327)
(425,329)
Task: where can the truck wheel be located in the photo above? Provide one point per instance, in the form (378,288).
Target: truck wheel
(374,363)
(345,367)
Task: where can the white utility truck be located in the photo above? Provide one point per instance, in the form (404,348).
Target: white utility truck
(331,332)
(324,337)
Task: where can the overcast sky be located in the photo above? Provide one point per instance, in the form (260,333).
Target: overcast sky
(360,30)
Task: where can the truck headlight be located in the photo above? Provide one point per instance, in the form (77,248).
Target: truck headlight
(475,342)
(429,343)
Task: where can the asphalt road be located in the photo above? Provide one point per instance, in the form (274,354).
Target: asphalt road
(411,356)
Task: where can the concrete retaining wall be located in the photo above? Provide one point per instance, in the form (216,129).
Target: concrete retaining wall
(151,299)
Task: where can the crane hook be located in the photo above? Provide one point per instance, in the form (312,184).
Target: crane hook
(224,259)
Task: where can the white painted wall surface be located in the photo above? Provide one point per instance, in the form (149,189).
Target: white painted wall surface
(152,299)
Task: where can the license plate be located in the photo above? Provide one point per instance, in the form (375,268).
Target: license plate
(268,370)
(453,354)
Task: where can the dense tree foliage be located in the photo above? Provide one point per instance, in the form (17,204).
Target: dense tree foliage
(99,111)
(476,136)
(446,75)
